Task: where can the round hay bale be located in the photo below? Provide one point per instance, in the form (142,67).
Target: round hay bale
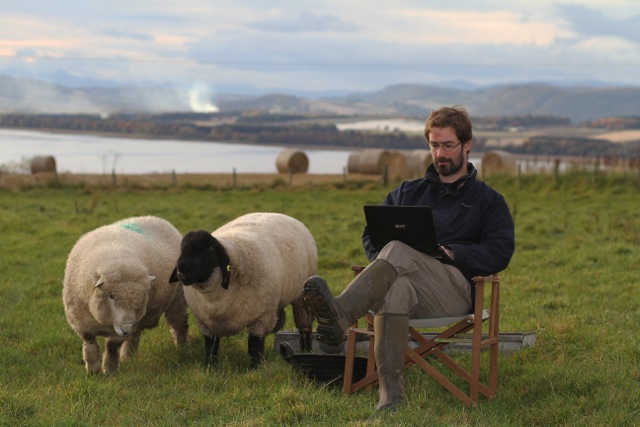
(353,163)
(397,166)
(426,158)
(292,161)
(498,161)
(43,164)
(372,161)
(414,164)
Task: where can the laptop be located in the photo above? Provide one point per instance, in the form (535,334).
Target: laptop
(412,225)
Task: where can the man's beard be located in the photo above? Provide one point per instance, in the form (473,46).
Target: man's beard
(451,165)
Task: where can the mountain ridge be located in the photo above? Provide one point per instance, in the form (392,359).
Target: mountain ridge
(579,103)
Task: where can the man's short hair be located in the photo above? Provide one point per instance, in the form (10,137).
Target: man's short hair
(455,117)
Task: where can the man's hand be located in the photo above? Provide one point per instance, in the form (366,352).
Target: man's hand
(447,251)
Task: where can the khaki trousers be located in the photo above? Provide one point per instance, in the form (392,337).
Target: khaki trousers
(425,287)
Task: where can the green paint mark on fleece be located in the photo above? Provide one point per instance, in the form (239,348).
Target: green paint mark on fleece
(133,227)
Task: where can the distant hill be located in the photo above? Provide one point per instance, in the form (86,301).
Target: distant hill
(578,103)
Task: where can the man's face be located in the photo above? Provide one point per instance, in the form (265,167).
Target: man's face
(446,162)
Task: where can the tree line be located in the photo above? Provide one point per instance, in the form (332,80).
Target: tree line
(300,134)
(320,135)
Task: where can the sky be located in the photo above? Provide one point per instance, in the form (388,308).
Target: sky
(321,46)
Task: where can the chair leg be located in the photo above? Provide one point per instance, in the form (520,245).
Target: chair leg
(371,362)
(476,346)
(349,362)
(494,328)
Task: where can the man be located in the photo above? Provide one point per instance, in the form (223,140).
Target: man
(473,224)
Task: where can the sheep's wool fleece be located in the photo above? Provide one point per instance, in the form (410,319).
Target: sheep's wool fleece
(271,256)
(119,252)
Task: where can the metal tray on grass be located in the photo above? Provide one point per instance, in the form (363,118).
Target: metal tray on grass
(323,368)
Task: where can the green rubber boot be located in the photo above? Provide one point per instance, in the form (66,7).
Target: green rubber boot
(335,315)
(391,332)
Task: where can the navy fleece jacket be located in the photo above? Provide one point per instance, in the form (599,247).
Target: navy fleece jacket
(471,219)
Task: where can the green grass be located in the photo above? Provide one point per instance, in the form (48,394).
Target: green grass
(573,280)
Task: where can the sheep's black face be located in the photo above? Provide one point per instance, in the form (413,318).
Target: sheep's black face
(197,257)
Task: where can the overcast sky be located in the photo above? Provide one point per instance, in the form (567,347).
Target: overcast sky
(323,45)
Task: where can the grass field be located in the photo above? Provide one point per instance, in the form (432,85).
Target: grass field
(573,281)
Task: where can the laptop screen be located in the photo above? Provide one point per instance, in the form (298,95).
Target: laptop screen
(412,225)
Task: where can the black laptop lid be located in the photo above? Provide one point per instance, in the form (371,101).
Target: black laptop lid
(412,225)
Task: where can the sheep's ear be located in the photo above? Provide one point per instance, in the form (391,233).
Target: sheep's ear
(226,275)
(151,278)
(225,264)
(174,276)
(100,282)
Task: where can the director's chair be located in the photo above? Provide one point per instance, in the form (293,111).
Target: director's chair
(455,332)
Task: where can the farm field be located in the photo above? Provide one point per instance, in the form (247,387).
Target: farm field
(573,281)
(620,136)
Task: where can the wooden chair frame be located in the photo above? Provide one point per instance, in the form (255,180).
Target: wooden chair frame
(455,333)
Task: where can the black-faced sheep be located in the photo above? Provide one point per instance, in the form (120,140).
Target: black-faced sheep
(116,284)
(243,275)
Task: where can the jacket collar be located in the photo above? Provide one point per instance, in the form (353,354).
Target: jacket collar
(453,189)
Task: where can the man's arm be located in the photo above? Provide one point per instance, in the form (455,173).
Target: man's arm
(493,252)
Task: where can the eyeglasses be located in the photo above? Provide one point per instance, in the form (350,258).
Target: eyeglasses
(445,146)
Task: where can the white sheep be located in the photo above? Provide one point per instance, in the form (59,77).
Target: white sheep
(116,284)
(243,275)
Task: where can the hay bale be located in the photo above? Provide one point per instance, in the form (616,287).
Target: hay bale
(426,158)
(415,164)
(397,166)
(372,161)
(43,164)
(498,161)
(292,161)
(353,163)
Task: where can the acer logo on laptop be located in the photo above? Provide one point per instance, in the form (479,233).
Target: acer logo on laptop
(399,226)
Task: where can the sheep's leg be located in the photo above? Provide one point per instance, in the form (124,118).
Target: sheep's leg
(91,354)
(303,321)
(256,350)
(130,346)
(110,356)
(305,343)
(281,320)
(211,345)
(178,319)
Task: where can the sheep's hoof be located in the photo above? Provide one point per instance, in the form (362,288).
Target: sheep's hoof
(255,365)
(92,368)
(109,366)
(211,361)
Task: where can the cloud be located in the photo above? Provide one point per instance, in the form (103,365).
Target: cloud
(325,45)
(126,34)
(304,22)
(592,23)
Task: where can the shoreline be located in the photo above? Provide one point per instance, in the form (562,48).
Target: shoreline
(122,135)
